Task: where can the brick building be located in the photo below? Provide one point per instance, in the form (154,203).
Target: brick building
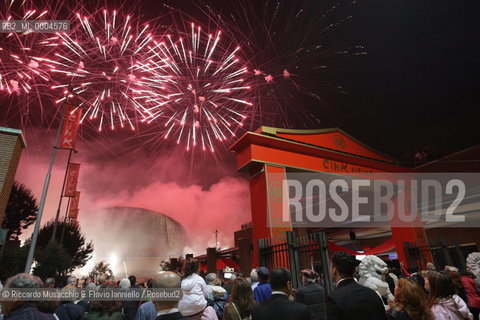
(11,145)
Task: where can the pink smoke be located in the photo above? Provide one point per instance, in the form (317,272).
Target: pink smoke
(163,184)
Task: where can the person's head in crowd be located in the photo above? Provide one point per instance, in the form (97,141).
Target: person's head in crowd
(133,280)
(342,265)
(124,283)
(218,292)
(468,273)
(439,286)
(456,279)
(418,279)
(263,274)
(281,280)
(431,266)
(254,276)
(242,294)
(91,286)
(20,281)
(308,276)
(166,280)
(209,278)
(190,267)
(149,283)
(450,268)
(50,283)
(411,298)
(71,281)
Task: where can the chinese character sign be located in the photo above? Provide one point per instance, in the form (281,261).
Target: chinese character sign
(72,180)
(70,127)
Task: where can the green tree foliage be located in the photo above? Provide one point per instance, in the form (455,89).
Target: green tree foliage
(12,260)
(99,269)
(51,261)
(74,243)
(21,211)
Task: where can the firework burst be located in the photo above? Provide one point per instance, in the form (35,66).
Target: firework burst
(101,62)
(206,91)
(18,71)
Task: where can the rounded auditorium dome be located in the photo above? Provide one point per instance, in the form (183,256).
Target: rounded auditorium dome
(135,240)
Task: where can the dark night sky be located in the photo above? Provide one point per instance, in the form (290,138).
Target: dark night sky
(418,85)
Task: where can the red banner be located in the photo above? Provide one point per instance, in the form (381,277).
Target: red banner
(73,208)
(73,215)
(71,123)
(72,180)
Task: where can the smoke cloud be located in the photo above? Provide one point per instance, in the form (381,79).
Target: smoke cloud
(204,196)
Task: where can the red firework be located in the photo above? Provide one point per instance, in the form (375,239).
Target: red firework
(101,61)
(205,91)
(18,71)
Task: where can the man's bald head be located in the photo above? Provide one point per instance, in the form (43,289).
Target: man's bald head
(170,280)
(167,279)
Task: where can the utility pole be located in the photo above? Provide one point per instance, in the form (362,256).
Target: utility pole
(55,224)
(216,239)
(46,184)
(41,206)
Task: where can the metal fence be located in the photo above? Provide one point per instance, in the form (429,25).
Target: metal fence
(443,253)
(298,253)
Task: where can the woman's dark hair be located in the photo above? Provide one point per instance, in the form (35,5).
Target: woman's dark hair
(441,286)
(411,299)
(242,295)
(456,279)
(469,274)
(190,267)
(418,279)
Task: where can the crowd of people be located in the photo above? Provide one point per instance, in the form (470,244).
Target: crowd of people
(267,294)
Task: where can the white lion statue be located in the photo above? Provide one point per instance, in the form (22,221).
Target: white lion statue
(473,265)
(372,271)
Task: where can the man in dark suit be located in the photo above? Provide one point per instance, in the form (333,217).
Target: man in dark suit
(312,295)
(279,307)
(350,300)
(167,310)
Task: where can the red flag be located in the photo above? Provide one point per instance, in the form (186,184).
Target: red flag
(70,127)
(73,208)
(72,180)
